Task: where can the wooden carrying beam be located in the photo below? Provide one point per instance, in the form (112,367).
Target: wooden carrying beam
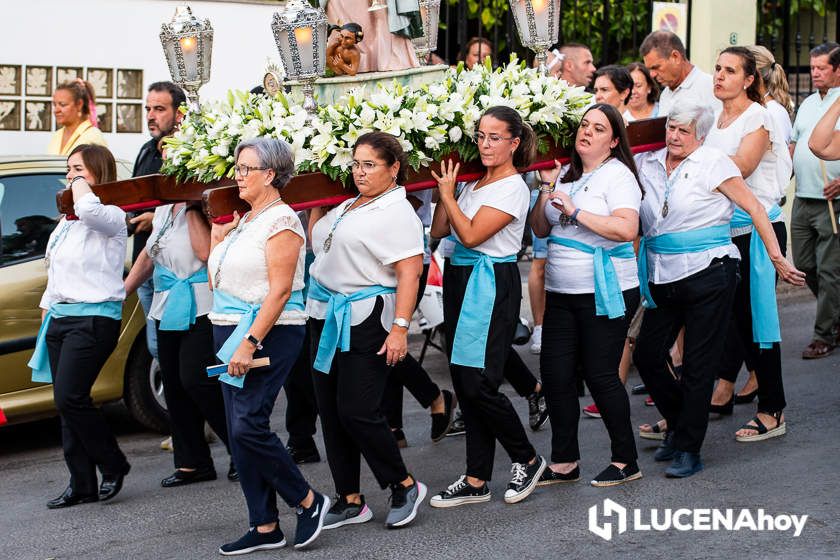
(308,190)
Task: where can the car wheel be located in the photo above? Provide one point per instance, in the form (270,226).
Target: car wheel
(143,390)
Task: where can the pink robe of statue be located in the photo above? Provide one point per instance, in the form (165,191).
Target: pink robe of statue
(380,49)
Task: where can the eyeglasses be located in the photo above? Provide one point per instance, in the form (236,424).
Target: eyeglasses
(367,166)
(243,170)
(492,139)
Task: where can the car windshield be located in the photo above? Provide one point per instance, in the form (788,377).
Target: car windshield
(28,215)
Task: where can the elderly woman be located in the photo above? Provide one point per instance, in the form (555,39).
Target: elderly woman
(613,86)
(81,324)
(644,99)
(74,105)
(745,131)
(363,286)
(481,295)
(688,275)
(176,254)
(256,269)
(591,217)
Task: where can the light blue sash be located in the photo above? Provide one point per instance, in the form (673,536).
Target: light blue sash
(226,304)
(40,361)
(470,341)
(608,298)
(336,333)
(692,241)
(765,313)
(179,311)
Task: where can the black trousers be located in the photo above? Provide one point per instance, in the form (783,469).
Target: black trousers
(191,396)
(740,347)
(488,414)
(301,407)
(350,404)
(264,465)
(702,303)
(78,347)
(411,375)
(573,335)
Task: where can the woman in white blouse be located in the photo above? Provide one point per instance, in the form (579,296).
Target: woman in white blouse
(82,309)
(688,275)
(481,295)
(363,287)
(746,132)
(591,216)
(256,270)
(176,253)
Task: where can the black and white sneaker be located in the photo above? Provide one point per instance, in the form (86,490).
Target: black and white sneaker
(310,520)
(252,541)
(459,493)
(537,411)
(524,480)
(345,513)
(613,476)
(457,428)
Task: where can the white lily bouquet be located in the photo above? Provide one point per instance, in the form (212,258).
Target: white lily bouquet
(431,122)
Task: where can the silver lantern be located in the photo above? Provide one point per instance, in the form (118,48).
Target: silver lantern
(188,46)
(538,24)
(427,43)
(300,32)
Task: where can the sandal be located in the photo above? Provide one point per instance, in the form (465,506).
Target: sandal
(761,430)
(657,431)
(816,350)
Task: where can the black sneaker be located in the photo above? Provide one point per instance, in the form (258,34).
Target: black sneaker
(310,520)
(301,455)
(344,513)
(550,477)
(404,504)
(613,476)
(537,410)
(458,427)
(442,421)
(524,480)
(666,450)
(459,493)
(254,540)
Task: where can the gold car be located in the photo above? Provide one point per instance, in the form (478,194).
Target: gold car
(28,214)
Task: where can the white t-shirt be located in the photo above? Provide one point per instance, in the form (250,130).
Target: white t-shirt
(693,204)
(511,196)
(771,177)
(244,270)
(177,255)
(610,188)
(697,88)
(424,212)
(365,245)
(781,120)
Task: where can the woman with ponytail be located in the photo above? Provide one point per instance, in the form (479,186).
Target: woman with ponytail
(773,86)
(74,105)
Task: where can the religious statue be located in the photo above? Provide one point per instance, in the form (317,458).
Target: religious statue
(343,56)
(388,33)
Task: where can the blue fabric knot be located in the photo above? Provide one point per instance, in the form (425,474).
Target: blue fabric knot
(179,311)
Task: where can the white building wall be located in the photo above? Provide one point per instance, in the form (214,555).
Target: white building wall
(124,34)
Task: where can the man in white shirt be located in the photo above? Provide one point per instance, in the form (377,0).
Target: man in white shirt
(573,63)
(664,55)
(815,247)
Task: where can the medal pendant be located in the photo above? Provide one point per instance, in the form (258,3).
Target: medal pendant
(155,250)
(665,209)
(328,243)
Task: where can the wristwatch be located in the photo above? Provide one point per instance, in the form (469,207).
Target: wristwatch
(253,340)
(74,179)
(400,322)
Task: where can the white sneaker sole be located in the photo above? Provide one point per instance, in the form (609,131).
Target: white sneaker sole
(591,414)
(440,503)
(518,497)
(271,546)
(421,495)
(363,517)
(324,510)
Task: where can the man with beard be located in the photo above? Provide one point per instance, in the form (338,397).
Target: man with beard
(162,118)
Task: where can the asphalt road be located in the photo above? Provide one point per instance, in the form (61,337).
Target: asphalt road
(795,474)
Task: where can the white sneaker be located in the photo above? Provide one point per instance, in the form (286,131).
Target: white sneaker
(536,340)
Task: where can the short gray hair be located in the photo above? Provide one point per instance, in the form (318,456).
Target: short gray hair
(663,42)
(274,154)
(691,113)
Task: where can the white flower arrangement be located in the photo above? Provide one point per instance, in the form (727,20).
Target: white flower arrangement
(431,122)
